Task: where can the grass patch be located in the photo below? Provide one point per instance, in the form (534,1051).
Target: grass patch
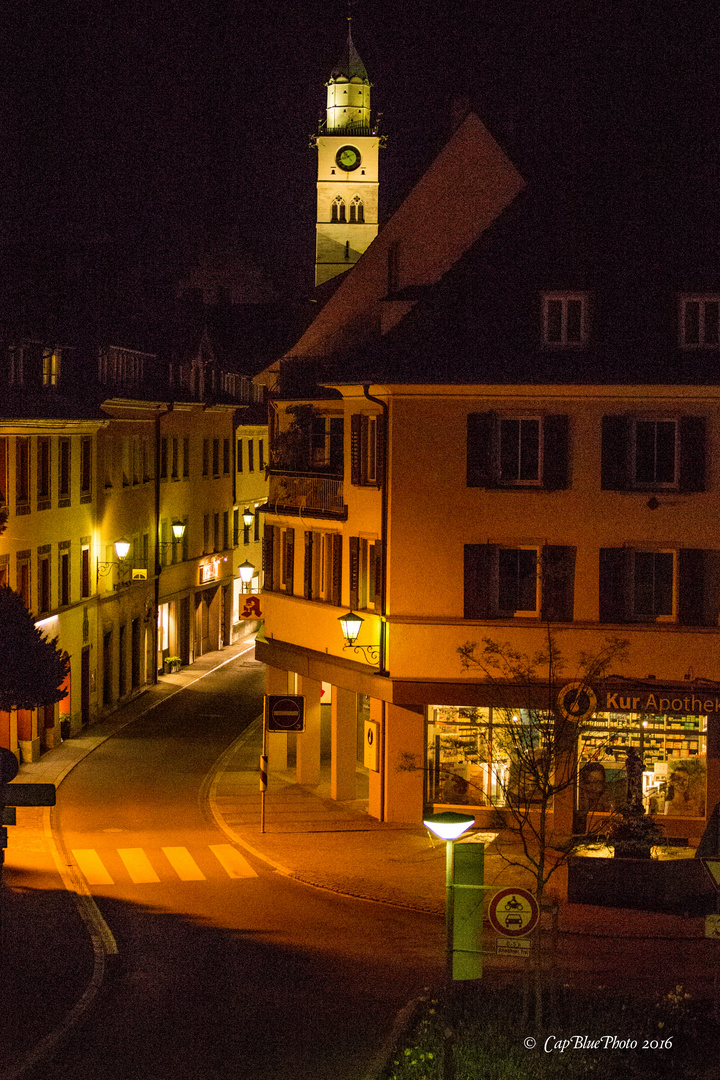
(589,1034)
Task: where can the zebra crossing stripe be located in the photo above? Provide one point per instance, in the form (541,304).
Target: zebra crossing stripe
(138,865)
(92,867)
(183,864)
(232,862)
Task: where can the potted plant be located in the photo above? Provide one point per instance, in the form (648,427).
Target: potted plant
(171,664)
(632,833)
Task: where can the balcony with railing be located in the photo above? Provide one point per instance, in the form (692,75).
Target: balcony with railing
(311,494)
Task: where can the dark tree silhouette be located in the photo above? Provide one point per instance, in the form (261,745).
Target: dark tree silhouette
(32,668)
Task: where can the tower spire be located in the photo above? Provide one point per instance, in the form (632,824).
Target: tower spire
(347,189)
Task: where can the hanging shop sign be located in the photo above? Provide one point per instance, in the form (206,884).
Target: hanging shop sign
(577,700)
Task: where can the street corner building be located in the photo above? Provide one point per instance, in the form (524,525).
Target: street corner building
(504,423)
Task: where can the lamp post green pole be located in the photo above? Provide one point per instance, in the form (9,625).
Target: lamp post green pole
(449,826)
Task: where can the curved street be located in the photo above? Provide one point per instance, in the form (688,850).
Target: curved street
(225,967)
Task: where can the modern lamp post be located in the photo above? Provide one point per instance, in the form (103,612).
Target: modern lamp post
(449,826)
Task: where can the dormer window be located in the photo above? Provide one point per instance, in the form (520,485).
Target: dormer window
(700,321)
(565,319)
(50,367)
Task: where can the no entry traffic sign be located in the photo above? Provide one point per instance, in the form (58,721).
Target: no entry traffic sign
(284,712)
(513,912)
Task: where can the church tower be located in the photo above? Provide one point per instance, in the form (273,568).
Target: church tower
(347,186)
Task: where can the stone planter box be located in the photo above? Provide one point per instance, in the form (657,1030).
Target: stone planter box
(676,886)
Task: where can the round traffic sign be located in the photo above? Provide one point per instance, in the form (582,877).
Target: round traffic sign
(513,912)
(285,713)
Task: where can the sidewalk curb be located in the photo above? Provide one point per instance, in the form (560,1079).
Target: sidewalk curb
(218,771)
(105,950)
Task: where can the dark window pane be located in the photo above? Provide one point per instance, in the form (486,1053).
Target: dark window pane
(554,320)
(529,449)
(692,322)
(574,320)
(653,583)
(509,450)
(711,322)
(517,580)
(664,583)
(665,452)
(655,452)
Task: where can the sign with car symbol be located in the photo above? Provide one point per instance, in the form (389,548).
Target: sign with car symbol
(513,912)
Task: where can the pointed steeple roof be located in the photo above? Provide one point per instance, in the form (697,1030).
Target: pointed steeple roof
(350,65)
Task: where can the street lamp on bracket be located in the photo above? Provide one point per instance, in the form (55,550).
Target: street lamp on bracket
(178,531)
(351,624)
(122,548)
(246,570)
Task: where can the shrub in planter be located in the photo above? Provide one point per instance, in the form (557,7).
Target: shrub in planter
(172,663)
(632,833)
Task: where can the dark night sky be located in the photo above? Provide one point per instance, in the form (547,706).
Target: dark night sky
(174,123)
(169,125)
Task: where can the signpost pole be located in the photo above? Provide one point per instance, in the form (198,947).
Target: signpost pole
(263,774)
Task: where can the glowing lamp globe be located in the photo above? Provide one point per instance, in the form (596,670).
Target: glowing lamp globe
(246,570)
(351,624)
(121,548)
(449,824)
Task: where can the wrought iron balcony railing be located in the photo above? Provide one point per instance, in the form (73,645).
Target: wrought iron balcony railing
(307,493)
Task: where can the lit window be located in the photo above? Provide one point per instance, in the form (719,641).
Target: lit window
(699,322)
(51,367)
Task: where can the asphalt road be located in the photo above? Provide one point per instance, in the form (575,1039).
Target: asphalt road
(226,968)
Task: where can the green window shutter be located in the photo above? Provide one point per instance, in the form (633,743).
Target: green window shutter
(337,569)
(555,453)
(354,553)
(692,453)
(691,587)
(557,581)
(615,584)
(290,560)
(477,581)
(615,457)
(356,448)
(268,557)
(481,449)
(307,582)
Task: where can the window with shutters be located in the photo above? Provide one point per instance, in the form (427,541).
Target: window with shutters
(699,322)
(279,559)
(658,585)
(323,567)
(653,453)
(366,449)
(565,319)
(365,574)
(522,450)
(64,461)
(22,475)
(22,581)
(43,474)
(4,493)
(85,470)
(525,582)
(43,580)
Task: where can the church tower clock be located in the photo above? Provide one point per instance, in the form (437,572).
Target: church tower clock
(347,186)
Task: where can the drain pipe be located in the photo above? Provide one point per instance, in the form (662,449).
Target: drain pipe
(383,577)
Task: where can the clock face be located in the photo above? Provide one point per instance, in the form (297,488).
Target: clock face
(348,158)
